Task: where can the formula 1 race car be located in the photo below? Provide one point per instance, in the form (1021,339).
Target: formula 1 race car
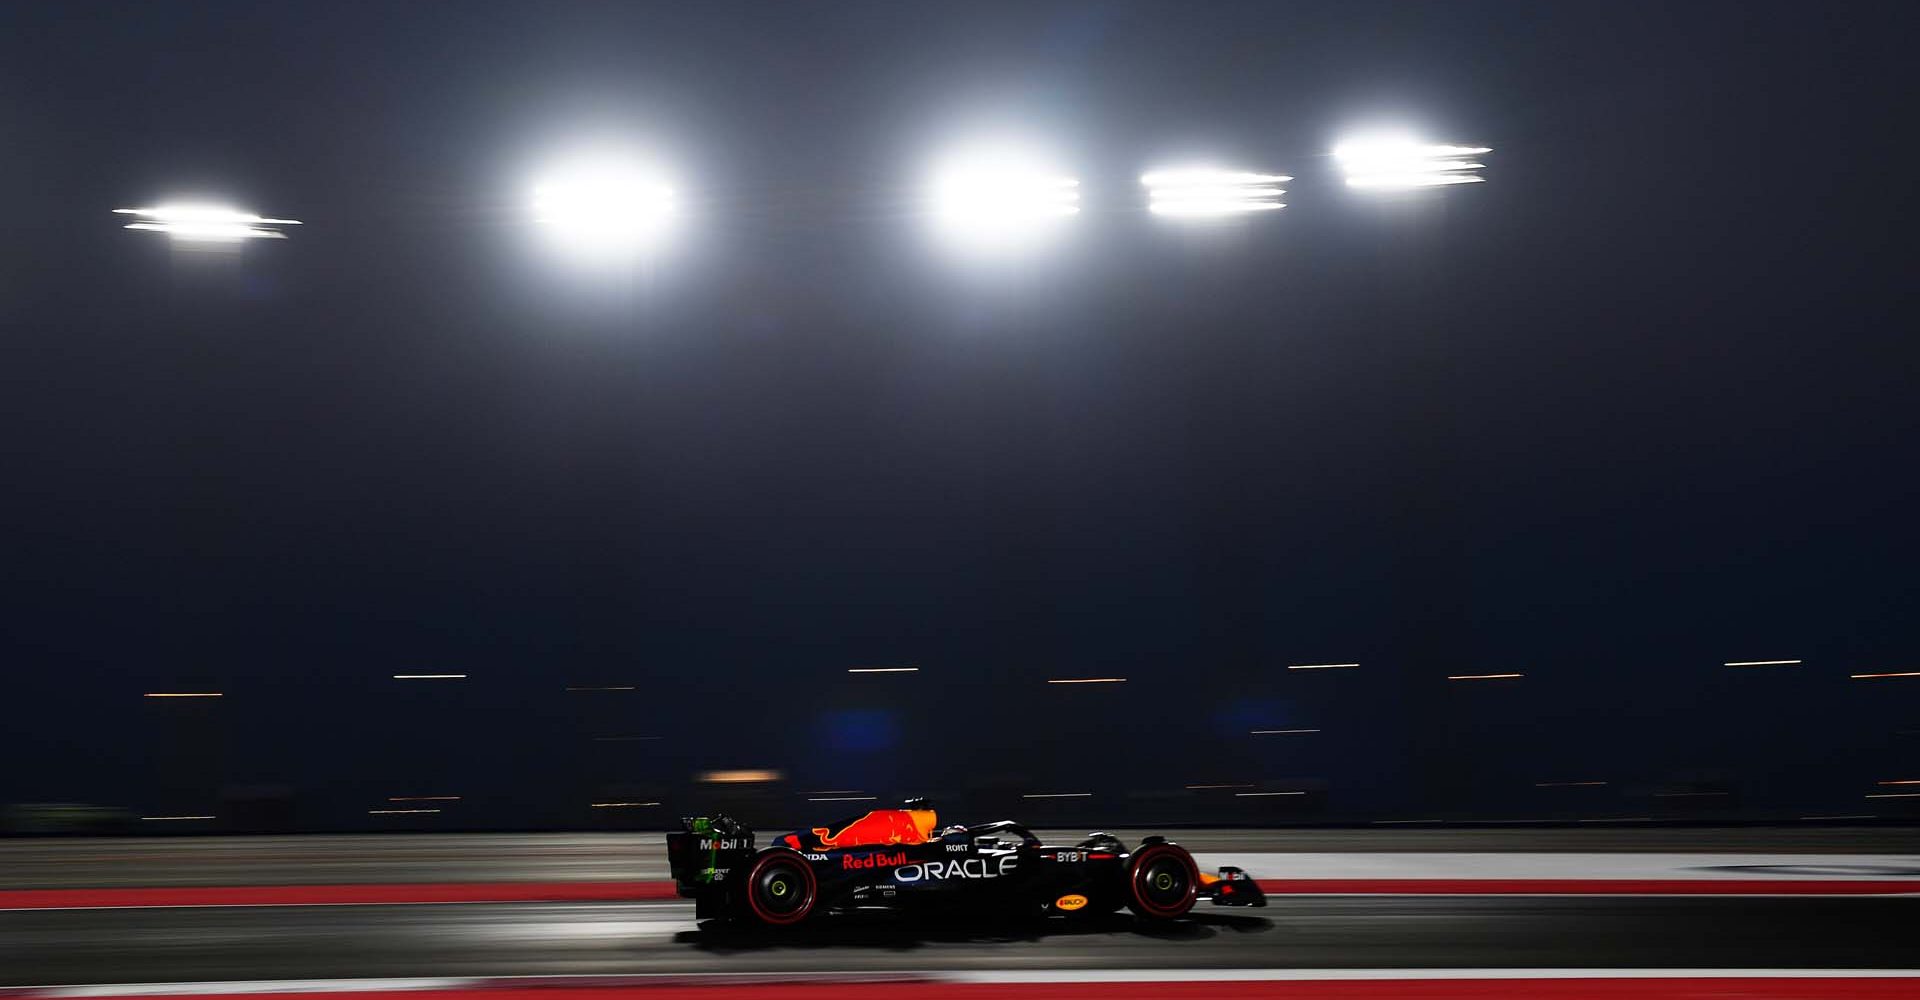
(897,858)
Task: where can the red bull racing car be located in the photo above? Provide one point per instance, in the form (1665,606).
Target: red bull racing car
(901,859)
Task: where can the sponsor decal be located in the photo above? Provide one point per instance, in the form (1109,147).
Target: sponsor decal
(958,848)
(715,844)
(814,857)
(938,871)
(880,827)
(1070,902)
(1070,856)
(879,859)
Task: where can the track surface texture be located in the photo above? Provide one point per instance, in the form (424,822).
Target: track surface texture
(50,947)
(613,857)
(613,938)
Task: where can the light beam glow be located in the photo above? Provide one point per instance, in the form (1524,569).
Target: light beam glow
(1205,192)
(607,209)
(1400,162)
(749,776)
(200,223)
(1001,199)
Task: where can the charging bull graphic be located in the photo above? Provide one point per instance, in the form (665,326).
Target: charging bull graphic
(878,828)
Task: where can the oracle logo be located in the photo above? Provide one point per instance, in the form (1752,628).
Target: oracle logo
(935,871)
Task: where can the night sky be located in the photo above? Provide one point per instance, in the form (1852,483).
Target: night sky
(1643,403)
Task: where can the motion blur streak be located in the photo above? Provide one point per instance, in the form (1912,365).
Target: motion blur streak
(211,232)
(184,694)
(206,223)
(1482,677)
(1399,162)
(743,777)
(1763,663)
(1117,984)
(429,677)
(1204,192)
(1321,666)
(1089,680)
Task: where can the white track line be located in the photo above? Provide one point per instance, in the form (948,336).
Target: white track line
(248,987)
(571,903)
(1585,867)
(1300,975)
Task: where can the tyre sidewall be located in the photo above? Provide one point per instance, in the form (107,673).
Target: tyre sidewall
(1146,856)
(759,914)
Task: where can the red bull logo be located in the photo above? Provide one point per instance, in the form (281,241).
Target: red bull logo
(882,860)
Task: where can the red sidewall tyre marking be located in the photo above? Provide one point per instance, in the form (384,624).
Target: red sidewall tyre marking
(1138,869)
(791,860)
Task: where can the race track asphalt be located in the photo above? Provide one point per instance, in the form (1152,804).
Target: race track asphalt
(170,945)
(45,947)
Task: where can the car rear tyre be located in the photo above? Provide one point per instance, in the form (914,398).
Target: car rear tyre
(1161,882)
(781,889)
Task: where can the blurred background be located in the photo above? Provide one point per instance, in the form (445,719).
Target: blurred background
(1584,494)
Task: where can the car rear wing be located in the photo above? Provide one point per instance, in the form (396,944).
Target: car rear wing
(707,851)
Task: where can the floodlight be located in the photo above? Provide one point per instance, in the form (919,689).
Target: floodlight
(999,199)
(205,223)
(1202,192)
(1401,162)
(610,207)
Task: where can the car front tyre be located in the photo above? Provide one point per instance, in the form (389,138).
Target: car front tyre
(1162,882)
